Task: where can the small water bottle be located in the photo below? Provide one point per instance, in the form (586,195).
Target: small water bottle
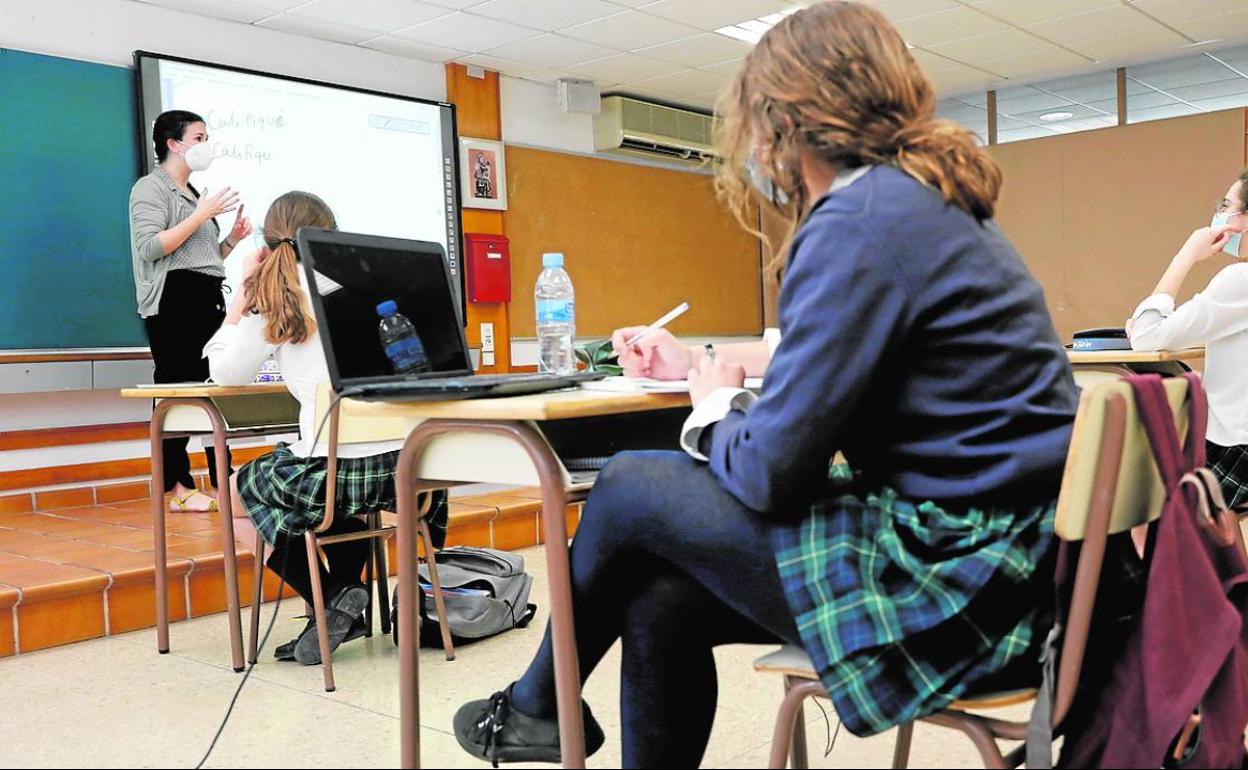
(400,341)
(556,317)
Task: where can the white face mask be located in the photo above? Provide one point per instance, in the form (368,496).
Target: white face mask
(199,157)
(1232,243)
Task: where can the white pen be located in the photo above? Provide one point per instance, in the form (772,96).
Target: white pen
(675,313)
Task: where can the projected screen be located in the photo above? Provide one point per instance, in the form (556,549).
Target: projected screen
(384,164)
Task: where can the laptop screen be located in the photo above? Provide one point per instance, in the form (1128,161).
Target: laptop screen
(370,271)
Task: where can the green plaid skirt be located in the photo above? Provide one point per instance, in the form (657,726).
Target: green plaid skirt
(285,494)
(906,607)
(1230,465)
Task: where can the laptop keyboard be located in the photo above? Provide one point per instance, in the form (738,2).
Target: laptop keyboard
(492,379)
(479,381)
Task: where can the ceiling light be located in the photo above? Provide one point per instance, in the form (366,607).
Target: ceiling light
(752,30)
(744,35)
(1055,116)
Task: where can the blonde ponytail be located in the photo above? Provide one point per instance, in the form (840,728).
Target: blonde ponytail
(274,288)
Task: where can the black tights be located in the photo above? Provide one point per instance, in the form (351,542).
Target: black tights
(289,559)
(672,565)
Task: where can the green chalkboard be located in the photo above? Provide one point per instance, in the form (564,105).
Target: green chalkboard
(67,162)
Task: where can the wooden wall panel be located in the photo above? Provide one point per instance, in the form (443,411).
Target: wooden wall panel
(1098,215)
(638,240)
(772,226)
(478,114)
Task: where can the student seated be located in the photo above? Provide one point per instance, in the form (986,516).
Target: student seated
(1216,318)
(913,340)
(282,494)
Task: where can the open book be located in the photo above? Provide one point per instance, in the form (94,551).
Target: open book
(647,385)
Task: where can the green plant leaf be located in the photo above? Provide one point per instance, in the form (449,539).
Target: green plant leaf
(596,355)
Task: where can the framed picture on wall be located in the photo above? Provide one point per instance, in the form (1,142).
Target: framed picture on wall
(483,174)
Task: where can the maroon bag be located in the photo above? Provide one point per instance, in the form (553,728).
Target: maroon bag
(1177,690)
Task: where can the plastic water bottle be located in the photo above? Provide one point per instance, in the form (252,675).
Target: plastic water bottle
(556,317)
(400,341)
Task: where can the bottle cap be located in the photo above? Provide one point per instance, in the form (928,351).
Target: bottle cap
(552,259)
(387,308)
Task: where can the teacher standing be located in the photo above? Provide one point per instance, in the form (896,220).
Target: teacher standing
(177,254)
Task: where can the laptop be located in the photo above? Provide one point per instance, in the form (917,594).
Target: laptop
(350,274)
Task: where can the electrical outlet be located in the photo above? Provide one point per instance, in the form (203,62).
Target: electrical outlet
(487,359)
(487,338)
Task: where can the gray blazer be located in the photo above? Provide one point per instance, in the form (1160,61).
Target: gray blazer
(156,204)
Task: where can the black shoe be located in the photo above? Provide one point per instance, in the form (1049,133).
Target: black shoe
(341,614)
(493,731)
(286,652)
(358,630)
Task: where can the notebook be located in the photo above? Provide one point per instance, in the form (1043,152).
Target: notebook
(647,385)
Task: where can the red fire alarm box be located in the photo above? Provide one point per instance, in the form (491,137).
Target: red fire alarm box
(489,267)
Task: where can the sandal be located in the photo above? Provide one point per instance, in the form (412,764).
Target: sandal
(178,504)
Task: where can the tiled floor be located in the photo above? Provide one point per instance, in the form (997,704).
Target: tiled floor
(74,573)
(115,703)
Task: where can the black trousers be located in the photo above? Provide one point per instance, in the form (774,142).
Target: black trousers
(191,311)
(289,557)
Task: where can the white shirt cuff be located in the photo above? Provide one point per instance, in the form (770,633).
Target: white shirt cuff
(713,408)
(1162,303)
(772,338)
(221,340)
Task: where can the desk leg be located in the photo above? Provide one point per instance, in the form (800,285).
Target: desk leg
(555,528)
(229,551)
(409,607)
(158,526)
(562,623)
(227,530)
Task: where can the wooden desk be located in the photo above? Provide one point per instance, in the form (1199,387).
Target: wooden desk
(225,412)
(1133,362)
(464,441)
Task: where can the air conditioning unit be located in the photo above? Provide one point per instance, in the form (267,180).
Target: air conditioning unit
(628,126)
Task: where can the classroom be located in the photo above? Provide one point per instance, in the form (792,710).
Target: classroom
(623,383)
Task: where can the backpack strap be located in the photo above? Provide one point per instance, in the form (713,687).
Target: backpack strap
(1163,437)
(1192,480)
(1039,746)
(1198,420)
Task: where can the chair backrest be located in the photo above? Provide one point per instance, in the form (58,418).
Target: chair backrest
(1138,494)
(1088,376)
(1110,485)
(353,429)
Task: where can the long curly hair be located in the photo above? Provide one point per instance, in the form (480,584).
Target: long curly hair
(837,81)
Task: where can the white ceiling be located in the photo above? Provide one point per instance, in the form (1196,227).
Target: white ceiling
(667,49)
(1198,82)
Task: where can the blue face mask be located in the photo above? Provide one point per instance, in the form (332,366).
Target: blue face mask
(764,185)
(1232,243)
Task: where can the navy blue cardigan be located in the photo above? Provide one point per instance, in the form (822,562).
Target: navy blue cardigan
(917,343)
